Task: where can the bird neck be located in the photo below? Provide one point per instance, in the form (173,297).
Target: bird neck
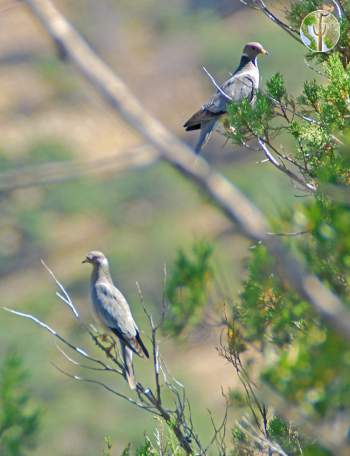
(100,273)
(245,60)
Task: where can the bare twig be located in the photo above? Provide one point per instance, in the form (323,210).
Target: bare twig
(155,348)
(263,442)
(106,387)
(281,167)
(218,87)
(260,5)
(64,296)
(59,172)
(292,234)
(52,331)
(219,432)
(284,169)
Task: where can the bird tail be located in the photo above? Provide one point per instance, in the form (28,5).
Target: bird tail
(206,130)
(134,343)
(128,366)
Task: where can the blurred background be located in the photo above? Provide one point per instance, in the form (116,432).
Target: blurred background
(139,218)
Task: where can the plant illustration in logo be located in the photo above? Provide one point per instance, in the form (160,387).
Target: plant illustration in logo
(320,31)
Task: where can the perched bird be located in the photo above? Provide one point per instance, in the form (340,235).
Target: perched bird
(243,83)
(113,311)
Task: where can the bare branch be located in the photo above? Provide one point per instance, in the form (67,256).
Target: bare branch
(106,387)
(223,93)
(292,234)
(84,366)
(155,348)
(247,428)
(339,8)
(260,5)
(58,172)
(64,296)
(52,331)
(284,169)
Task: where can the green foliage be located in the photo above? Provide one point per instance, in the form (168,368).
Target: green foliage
(187,286)
(19,418)
(241,443)
(329,106)
(267,311)
(126,451)
(248,121)
(107,449)
(301,9)
(290,440)
(276,87)
(145,450)
(165,443)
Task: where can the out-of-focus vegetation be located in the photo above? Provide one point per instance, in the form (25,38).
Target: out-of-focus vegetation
(19,416)
(187,288)
(145,218)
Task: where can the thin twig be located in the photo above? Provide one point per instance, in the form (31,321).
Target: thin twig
(52,331)
(292,234)
(64,296)
(284,169)
(261,6)
(59,172)
(106,387)
(217,85)
(263,441)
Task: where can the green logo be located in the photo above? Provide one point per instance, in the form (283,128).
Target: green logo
(320,31)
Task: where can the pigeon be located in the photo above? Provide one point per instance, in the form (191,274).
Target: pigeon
(113,311)
(243,83)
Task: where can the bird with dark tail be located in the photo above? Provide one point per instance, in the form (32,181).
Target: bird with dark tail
(113,311)
(242,84)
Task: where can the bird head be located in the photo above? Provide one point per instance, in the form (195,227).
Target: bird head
(96,258)
(252,50)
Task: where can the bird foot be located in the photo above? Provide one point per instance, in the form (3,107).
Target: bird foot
(107,343)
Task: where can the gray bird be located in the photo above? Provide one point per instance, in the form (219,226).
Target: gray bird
(243,83)
(113,311)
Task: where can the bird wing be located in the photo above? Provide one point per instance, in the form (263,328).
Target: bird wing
(113,310)
(239,86)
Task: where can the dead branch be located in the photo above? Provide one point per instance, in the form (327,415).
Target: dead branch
(261,6)
(59,172)
(281,167)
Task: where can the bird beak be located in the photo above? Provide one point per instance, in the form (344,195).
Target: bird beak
(264,52)
(85,261)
